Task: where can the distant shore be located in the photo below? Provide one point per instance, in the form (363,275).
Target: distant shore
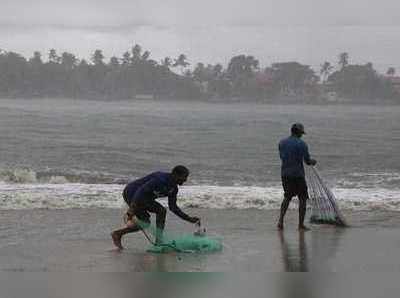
(277,101)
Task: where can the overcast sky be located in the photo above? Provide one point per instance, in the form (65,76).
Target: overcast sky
(211,31)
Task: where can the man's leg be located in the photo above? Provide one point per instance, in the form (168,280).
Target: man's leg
(302,212)
(161,214)
(118,234)
(302,191)
(132,225)
(284,208)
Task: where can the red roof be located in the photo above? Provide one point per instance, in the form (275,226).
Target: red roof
(394,80)
(264,78)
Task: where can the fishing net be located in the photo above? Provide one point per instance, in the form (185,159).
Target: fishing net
(324,204)
(187,243)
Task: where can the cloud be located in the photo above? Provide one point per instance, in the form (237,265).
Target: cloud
(105,13)
(124,28)
(211,31)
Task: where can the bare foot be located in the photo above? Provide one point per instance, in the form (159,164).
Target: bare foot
(280,226)
(303,228)
(117,240)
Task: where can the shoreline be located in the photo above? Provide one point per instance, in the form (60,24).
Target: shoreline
(266,102)
(78,240)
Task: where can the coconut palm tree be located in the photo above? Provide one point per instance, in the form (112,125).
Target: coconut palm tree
(343,60)
(53,57)
(325,71)
(181,62)
(126,58)
(391,71)
(97,57)
(136,53)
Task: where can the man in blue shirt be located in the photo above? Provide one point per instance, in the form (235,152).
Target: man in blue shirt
(293,151)
(141,195)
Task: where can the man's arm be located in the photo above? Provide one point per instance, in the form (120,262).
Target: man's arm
(307,159)
(280,150)
(177,211)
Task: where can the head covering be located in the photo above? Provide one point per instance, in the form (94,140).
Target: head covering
(298,128)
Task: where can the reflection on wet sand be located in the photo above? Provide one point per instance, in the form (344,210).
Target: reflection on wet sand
(325,243)
(294,258)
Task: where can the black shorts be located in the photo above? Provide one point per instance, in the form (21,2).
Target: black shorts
(141,211)
(295,186)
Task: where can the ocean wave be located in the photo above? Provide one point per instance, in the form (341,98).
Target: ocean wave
(51,176)
(70,195)
(370,180)
(384,180)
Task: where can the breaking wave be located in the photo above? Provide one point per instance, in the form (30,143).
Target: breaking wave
(29,176)
(78,195)
(25,188)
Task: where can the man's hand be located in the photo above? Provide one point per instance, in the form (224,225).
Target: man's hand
(194,220)
(313,162)
(127,217)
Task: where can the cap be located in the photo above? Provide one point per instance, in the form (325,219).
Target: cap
(298,128)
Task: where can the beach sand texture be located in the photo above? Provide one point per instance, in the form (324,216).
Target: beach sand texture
(78,240)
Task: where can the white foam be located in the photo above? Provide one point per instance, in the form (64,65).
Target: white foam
(59,196)
(370,180)
(18,176)
(64,196)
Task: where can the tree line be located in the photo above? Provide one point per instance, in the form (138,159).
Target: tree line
(136,73)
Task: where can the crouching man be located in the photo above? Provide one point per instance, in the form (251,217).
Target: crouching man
(141,195)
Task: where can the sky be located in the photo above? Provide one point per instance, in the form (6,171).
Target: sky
(209,31)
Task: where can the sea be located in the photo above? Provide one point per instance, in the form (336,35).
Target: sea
(64,153)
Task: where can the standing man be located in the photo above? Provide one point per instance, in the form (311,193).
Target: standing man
(141,195)
(293,151)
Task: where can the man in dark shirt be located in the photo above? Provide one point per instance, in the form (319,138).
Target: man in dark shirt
(141,195)
(293,151)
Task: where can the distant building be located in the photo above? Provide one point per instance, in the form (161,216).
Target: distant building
(329,93)
(395,82)
(144,96)
(265,79)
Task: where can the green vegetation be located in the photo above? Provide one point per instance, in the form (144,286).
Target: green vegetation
(135,74)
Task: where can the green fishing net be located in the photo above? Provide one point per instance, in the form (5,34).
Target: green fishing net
(187,243)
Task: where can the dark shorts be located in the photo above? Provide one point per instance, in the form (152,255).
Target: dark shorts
(142,211)
(295,186)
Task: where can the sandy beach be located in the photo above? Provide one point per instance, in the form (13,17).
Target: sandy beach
(78,240)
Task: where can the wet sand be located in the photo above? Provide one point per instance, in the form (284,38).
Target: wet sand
(78,240)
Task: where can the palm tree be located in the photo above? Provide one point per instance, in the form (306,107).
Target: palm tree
(199,72)
(391,71)
(53,57)
(97,57)
(114,62)
(36,59)
(343,60)
(166,62)
(325,71)
(252,63)
(217,70)
(68,61)
(126,58)
(181,62)
(145,55)
(136,53)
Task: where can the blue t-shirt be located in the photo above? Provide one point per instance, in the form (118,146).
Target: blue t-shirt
(293,151)
(151,187)
(145,190)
